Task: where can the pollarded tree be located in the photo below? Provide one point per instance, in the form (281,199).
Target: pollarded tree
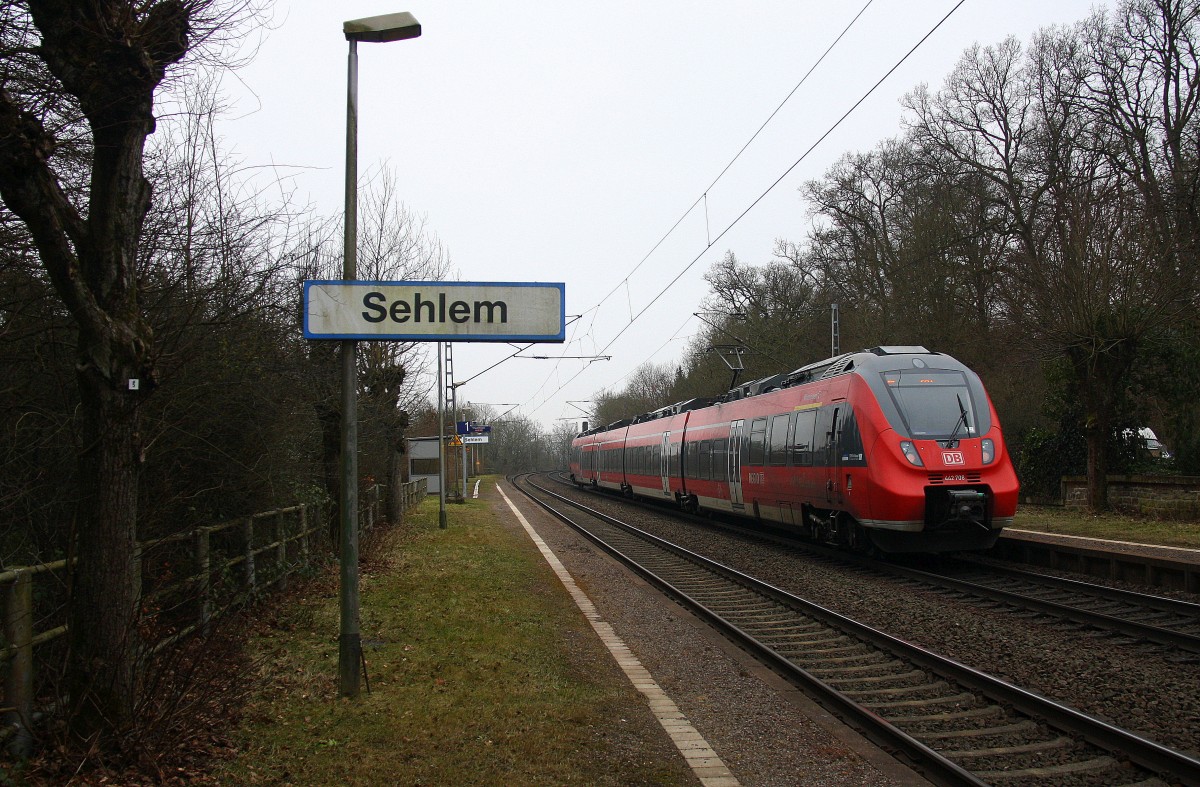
(83,76)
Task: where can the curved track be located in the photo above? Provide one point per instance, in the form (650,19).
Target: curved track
(953,723)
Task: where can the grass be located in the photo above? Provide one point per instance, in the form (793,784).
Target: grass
(481,669)
(1114,526)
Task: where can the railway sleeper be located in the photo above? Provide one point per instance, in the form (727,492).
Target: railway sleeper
(957,699)
(1083,766)
(982,712)
(877,668)
(750,609)
(818,638)
(846,684)
(897,691)
(768,627)
(854,652)
(1050,744)
(1023,726)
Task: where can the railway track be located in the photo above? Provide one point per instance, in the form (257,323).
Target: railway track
(1136,617)
(955,724)
(1139,616)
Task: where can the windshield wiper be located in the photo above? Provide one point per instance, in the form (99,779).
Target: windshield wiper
(952,441)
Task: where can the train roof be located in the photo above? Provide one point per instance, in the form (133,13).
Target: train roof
(830,367)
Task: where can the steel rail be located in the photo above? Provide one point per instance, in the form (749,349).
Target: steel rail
(1100,620)
(932,764)
(1142,751)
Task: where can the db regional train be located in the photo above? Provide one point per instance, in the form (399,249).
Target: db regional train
(892,449)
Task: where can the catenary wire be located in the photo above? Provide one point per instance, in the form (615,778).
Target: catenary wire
(757,200)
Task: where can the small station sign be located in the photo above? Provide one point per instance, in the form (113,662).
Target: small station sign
(435,311)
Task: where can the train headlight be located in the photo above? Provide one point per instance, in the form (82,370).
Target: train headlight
(910,453)
(989,450)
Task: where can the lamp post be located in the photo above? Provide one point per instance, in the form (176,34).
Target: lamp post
(381,29)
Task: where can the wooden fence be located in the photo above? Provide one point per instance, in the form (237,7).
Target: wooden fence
(223,566)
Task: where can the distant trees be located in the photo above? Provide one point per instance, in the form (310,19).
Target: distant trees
(1038,215)
(1088,141)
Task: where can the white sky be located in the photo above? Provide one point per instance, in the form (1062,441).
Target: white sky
(560,141)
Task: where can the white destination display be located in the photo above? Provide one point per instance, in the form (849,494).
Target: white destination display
(474,439)
(435,311)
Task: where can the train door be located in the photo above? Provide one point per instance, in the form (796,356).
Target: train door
(829,424)
(665,464)
(734,459)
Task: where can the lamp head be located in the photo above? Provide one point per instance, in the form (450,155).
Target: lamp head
(381,29)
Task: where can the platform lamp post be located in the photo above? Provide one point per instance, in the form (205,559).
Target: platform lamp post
(380,29)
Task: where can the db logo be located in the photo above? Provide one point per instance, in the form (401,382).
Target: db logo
(953,458)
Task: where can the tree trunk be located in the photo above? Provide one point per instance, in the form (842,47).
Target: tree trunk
(1097,463)
(106,590)
(1099,372)
(111,56)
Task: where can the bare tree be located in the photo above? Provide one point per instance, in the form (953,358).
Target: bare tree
(77,89)
(394,245)
(1080,285)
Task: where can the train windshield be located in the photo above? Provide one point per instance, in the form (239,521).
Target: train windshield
(934,404)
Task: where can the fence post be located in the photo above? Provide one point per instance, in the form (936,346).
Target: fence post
(281,563)
(200,545)
(304,534)
(248,537)
(18,685)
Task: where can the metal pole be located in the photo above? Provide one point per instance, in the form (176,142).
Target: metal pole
(441,442)
(349,644)
(837,332)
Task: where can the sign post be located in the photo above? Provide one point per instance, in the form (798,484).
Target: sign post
(349,311)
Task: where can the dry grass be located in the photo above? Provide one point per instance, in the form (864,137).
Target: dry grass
(1117,527)
(481,672)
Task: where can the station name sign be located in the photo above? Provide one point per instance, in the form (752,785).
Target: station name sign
(435,311)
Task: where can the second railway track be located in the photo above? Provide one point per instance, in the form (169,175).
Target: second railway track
(956,724)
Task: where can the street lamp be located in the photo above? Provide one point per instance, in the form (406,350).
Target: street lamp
(389,27)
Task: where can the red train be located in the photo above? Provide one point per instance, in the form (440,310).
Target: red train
(893,448)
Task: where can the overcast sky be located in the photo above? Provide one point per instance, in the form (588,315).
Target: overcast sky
(552,141)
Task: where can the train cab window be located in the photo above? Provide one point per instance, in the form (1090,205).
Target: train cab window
(934,404)
(758,440)
(721,460)
(777,454)
(802,438)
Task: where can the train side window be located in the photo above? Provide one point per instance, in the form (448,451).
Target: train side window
(758,440)
(778,440)
(802,438)
(721,460)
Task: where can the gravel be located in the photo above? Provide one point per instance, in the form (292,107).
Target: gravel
(1148,689)
(766,732)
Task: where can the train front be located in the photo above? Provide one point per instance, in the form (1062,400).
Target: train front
(943,458)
